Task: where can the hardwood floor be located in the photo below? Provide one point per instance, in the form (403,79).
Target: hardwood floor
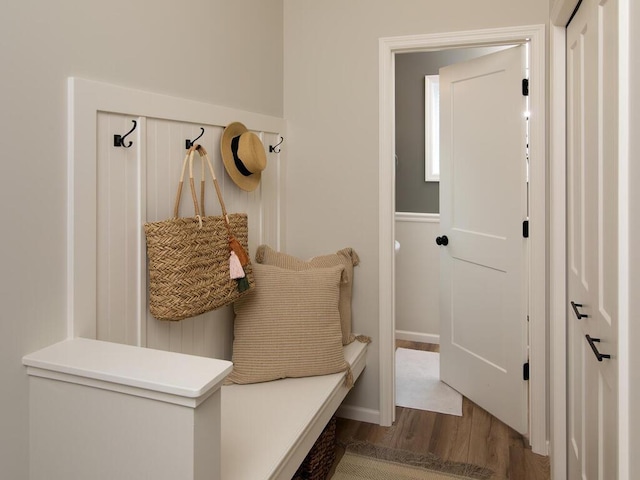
(476,438)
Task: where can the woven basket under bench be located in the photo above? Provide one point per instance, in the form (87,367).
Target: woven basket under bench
(319,460)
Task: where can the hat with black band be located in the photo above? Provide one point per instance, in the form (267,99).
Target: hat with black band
(243,156)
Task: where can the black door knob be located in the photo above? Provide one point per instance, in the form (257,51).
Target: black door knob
(443,240)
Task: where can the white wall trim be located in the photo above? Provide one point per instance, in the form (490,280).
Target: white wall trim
(538,354)
(386,226)
(417,217)
(418,337)
(358,414)
(388,47)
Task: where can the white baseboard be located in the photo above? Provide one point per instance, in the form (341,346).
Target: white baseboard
(359,414)
(417,337)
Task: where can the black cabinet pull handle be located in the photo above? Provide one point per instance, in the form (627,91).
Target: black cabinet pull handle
(443,240)
(579,315)
(598,355)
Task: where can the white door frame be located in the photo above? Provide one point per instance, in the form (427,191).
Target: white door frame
(388,48)
(560,14)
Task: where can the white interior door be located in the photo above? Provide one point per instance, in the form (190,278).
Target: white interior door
(483,203)
(592,237)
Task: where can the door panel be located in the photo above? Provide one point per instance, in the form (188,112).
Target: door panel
(592,234)
(483,202)
(473,299)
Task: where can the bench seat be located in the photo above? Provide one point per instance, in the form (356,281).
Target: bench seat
(268,428)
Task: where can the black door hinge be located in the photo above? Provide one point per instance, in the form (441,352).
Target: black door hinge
(525,371)
(525,87)
(525,229)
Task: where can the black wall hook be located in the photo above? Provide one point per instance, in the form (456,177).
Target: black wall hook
(118,140)
(189,143)
(272,148)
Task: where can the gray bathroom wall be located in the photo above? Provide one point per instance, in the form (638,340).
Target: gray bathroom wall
(413,194)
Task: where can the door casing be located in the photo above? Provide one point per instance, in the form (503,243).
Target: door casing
(388,48)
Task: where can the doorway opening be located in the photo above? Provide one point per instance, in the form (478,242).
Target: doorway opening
(389,48)
(417,207)
(417,217)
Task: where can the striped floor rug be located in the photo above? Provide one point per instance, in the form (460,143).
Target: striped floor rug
(357,467)
(361,457)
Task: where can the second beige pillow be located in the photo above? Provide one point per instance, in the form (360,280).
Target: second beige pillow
(346,257)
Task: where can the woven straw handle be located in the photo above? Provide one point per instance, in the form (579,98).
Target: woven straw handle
(205,156)
(188,159)
(176,204)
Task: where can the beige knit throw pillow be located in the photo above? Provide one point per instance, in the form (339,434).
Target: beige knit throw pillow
(346,257)
(288,326)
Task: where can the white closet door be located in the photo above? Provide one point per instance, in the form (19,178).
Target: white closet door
(592,236)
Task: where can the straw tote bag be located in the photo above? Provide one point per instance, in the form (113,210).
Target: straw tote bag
(192,259)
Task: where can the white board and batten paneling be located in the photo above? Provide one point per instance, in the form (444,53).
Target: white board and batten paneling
(417,273)
(113,191)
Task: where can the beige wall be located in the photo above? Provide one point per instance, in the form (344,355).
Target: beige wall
(216,51)
(331,103)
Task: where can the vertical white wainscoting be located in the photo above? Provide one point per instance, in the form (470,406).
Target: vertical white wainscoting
(119,243)
(131,186)
(417,278)
(137,185)
(273,194)
(211,333)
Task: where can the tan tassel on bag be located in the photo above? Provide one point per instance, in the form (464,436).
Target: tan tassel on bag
(235,247)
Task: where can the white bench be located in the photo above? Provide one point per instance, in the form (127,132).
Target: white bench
(103,410)
(268,428)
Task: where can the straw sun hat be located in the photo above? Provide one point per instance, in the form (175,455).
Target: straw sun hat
(243,156)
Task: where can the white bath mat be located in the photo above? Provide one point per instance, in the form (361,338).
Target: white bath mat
(418,383)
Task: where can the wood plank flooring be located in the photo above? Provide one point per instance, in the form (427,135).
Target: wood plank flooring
(476,438)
